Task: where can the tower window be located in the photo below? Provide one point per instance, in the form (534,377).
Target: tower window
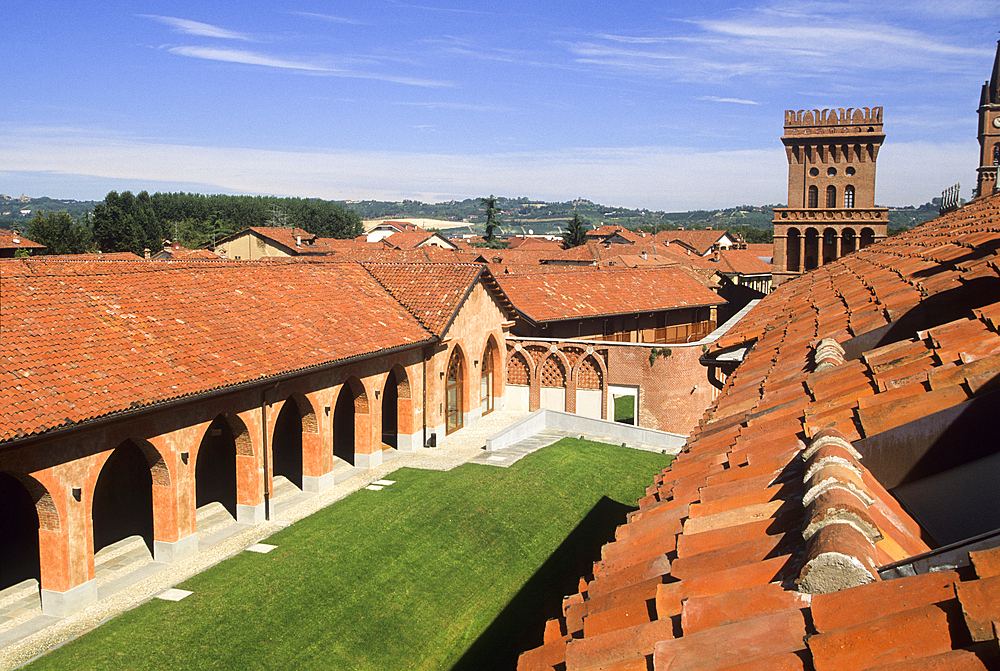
(831,196)
(996,154)
(813,197)
(848,196)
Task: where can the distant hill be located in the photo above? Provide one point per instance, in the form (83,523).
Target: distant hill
(517,215)
(17,212)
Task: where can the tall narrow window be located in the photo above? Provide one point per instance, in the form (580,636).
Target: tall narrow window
(996,154)
(848,196)
(831,196)
(453,394)
(813,197)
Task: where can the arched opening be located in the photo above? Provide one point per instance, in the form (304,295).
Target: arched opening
(123,498)
(390,412)
(553,383)
(848,196)
(286,445)
(811,249)
(831,196)
(215,469)
(813,199)
(518,382)
(867,237)
(829,245)
(996,154)
(848,241)
(351,402)
(487,378)
(453,393)
(792,244)
(19,526)
(589,388)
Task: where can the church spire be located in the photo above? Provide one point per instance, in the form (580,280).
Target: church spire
(994,91)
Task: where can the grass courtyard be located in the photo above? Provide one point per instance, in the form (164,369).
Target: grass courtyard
(440,570)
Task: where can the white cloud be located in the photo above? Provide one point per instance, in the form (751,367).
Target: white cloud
(253,58)
(738,101)
(245,57)
(197,28)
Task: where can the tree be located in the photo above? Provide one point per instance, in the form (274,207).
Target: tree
(575,233)
(491,217)
(60,233)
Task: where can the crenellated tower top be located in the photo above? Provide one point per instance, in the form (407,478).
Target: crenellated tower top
(851,121)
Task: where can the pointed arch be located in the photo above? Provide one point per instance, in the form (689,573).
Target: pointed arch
(490,375)
(295,418)
(390,408)
(552,378)
(454,391)
(20,524)
(352,408)
(122,502)
(215,462)
(519,369)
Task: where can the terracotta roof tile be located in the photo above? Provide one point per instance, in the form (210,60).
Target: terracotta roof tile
(595,293)
(85,339)
(770,489)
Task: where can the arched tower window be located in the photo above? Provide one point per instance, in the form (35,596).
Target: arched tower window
(831,196)
(813,197)
(996,154)
(848,196)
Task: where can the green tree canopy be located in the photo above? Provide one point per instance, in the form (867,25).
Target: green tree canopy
(60,233)
(575,233)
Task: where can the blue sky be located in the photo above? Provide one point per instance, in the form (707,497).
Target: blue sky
(659,105)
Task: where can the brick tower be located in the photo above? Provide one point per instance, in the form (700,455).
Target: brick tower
(989,132)
(831,189)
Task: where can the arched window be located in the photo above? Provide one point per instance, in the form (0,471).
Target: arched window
(848,196)
(454,394)
(813,197)
(996,154)
(831,196)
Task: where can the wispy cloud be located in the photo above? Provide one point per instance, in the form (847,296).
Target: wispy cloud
(245,57)
(252,58)
(466,107)
(738,101)
(198,28)
(773,43)
(329,18)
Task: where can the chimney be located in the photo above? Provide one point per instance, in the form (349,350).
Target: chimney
(644,256)
(717,255)
(16,239)
(298,240)
(145,253)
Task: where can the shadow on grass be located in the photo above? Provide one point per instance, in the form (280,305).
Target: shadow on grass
(521,624)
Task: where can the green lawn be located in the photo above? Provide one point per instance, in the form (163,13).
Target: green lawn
(625,409)
(440,570)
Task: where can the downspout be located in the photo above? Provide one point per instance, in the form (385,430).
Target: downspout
(423,362)
(263,442)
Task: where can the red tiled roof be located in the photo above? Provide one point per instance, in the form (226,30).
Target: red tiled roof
(412,239)
(7,241)
(594,293)
(767,544)
(741,262)
(85,339)
(699,241)
(432,293)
